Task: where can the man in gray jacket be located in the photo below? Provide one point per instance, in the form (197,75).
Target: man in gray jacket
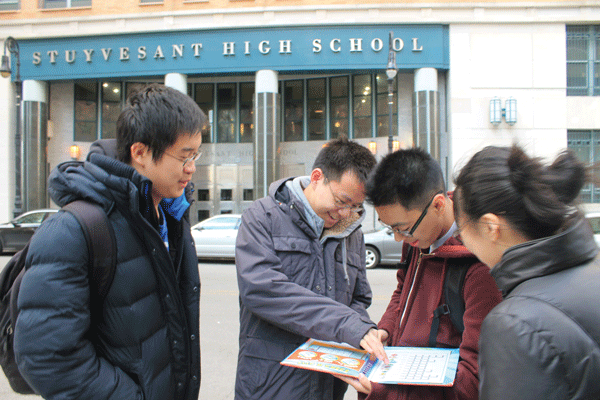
(300,258)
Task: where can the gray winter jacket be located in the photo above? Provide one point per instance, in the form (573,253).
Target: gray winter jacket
(145,345)
(543,340)
(295,284)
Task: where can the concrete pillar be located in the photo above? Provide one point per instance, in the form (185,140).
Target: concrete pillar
(426,112)
(34,152)
(266,132)
(177,81)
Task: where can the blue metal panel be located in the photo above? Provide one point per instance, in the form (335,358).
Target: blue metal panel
(234,51)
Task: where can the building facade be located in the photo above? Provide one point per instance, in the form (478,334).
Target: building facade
(280,78)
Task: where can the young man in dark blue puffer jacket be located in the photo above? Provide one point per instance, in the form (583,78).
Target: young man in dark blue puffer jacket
(145,343)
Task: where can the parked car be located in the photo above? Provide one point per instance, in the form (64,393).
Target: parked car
(381,248)
(15,234)
(594,218)
(215,237)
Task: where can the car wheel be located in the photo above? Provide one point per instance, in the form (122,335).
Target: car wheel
(372,257)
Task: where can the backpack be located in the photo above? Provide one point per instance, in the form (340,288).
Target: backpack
(101,245)
(454,303)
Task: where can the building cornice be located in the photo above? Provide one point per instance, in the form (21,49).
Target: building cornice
(352,14)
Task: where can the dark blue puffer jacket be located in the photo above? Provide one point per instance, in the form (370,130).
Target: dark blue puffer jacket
(145,344)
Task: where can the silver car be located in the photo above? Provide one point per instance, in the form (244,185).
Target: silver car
(215,237)
(15,234)
(381,248)
(594,218)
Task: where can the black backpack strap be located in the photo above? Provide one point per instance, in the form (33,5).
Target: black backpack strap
(454,304)
(101,244)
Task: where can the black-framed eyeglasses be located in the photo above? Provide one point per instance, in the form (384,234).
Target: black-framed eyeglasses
(342,205)
(185,161)
(409,233)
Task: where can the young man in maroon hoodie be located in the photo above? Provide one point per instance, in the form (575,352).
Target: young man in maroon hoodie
(408,192)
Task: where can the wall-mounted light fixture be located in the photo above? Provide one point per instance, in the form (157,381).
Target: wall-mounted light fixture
(509,112)
(75,152)
(395,145)
(372,147)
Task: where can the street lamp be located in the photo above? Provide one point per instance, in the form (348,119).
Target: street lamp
(391,72)
(11,46)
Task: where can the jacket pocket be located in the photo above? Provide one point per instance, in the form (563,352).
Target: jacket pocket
(297,258)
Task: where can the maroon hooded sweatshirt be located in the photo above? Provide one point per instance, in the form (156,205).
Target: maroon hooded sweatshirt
(425,275)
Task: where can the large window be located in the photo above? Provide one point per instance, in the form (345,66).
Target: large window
(316,109)
(586,144)
(338,105)
(362,101)
(97,108)
(226,112)
(293,110)
(583,60)
(86,111)
(246,111)
(325,108)
(6,5)
(383,106)
(111,108)
(204,94)
(64,3)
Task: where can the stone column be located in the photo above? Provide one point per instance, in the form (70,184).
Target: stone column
(426,113)
(177,81)
(35,151)
(266,132)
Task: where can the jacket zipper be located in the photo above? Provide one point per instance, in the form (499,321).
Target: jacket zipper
(411,288)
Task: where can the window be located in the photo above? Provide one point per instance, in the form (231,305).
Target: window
(586,145)
(338,106)
(583,60)
(226,194)
(203,195)
(226,112)
(65,3)
(151,1)
(204,95)
(86,111)
(363,106)
(293,108)
(111,108)
(6,5)
(203,214)
(97,108)
(246,111)
(248,194)
(383,107)
(316,109)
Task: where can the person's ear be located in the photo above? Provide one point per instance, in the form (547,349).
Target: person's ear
(439,203)
(316,175)
(139,153)
(490,225)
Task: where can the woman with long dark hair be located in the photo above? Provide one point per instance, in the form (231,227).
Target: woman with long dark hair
(518,216)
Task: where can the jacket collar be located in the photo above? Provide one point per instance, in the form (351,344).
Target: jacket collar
(569,248)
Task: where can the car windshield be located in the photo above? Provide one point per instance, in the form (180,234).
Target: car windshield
(35,218)
(221,223)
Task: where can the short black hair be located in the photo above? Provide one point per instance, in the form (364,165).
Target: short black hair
(157,115)
(341,155)
(409,177)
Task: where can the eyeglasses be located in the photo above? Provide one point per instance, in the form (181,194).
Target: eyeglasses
(409,233)
(343,205)
(185,161)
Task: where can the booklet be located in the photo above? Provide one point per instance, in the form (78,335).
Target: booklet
(408,365)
